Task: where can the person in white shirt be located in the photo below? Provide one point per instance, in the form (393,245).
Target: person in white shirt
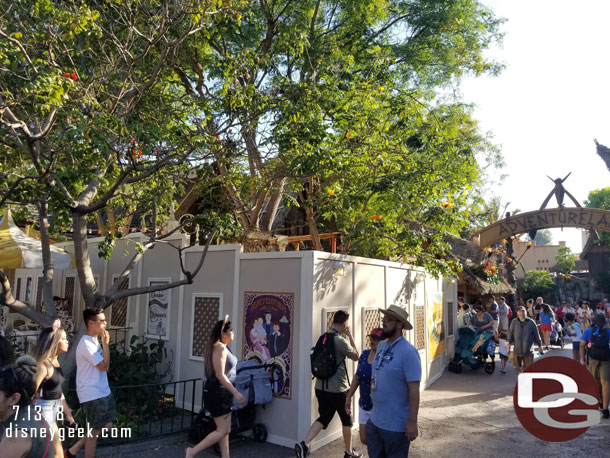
(567,308)
(92,364)
(503,311)
(574,330)
(503,350)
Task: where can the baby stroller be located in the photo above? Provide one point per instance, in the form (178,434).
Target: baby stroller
(255,382)
(473,349)
(557,337)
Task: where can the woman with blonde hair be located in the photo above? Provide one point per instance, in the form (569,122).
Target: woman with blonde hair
(220,367)
(48,380)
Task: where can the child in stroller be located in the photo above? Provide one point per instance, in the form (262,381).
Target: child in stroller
(473,348)
(557,335)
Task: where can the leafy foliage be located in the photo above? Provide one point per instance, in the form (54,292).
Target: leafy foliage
(135,376)
(565,260)
(91,119)
(543,237)
(344,95)
(487,272)
(537,283)
(600,198)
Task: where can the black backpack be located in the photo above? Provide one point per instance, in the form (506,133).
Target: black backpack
(323,358)
(600,345)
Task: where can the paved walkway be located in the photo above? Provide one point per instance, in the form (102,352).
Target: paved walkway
(461,415)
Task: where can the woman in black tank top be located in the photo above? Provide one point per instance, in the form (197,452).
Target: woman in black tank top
(48,380)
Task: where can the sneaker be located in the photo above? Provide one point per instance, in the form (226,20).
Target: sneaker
(503,371)
(606,413)
(354,454)
(301,450)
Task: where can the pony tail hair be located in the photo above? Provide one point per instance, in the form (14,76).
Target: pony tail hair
(25,370)
(209,349)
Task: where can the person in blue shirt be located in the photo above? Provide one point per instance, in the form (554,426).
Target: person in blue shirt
(362,380)
(599,364)
(395,380)
(547,318)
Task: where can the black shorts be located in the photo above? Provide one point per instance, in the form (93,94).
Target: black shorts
(328,404)
(216,398)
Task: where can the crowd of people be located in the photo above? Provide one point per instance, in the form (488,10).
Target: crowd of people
(538,323)
(32,404)
(388,376)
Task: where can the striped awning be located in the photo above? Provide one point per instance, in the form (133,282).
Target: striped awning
(19,250)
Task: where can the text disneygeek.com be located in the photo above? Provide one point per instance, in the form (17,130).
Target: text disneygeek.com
(69,433)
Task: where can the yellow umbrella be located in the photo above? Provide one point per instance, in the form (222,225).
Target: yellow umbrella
(19,250)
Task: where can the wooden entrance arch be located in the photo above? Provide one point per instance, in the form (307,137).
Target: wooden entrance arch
(584,218)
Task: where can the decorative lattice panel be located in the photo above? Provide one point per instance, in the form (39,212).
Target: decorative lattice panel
(207,311)
(119,308)
(18,289)
(372,320)
(450,318)
(39,294)
(420,327)
(69,293)
(329,319)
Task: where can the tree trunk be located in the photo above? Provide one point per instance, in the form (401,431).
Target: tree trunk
(47,260)
(86,279)
(6,298)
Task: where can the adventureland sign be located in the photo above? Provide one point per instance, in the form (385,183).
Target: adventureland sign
(585,218)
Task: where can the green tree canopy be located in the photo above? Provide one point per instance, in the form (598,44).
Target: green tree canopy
(338,103)
(537,283)
(90,117)
(565,260)
(600,198)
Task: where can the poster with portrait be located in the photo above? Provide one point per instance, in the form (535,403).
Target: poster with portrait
(436,326)
(268,334)
(158,310)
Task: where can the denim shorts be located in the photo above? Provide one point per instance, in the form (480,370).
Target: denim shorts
(382,443)
(49,410)
(363,416)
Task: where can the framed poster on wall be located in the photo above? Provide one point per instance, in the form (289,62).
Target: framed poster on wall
(436,326)
(158,308)
(268,334)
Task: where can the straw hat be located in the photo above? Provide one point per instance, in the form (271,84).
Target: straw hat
(399,314)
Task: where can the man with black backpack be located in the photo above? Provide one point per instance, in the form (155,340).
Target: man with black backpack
(329,367)
(596,340)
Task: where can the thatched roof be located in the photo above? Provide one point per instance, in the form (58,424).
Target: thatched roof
(483,287)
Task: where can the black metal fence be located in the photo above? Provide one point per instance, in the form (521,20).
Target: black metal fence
(150,410)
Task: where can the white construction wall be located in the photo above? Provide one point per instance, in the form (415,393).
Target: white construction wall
(319,284)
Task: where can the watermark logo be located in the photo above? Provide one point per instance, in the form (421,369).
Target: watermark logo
(556,399)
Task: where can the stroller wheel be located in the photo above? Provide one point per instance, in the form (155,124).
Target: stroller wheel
(490,367)
(451,366)
(259,432)
(457,368)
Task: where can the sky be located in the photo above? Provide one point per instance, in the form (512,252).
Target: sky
(549,103)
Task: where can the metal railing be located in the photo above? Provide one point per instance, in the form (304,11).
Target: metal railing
(151,410)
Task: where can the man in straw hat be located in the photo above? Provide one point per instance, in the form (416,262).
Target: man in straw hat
(394,389)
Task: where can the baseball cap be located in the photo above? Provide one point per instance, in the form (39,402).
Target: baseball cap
(376,333)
